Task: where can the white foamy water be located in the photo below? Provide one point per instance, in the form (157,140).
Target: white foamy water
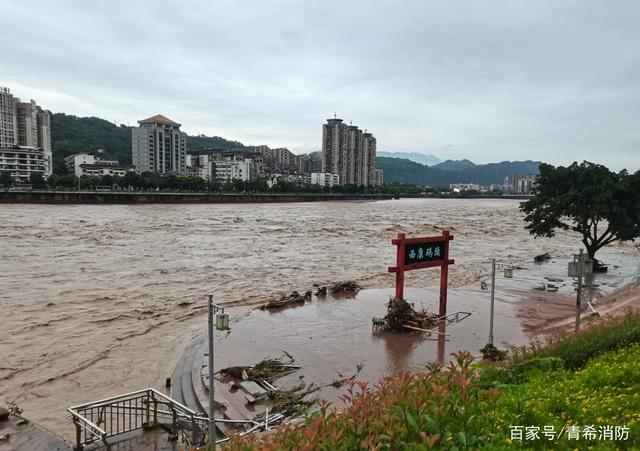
(101,299)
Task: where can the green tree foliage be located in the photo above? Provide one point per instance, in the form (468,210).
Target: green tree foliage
(5,179)
(37,180)
(587,198)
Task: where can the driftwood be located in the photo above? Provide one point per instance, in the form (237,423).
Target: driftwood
(420,329)
(294,298)
(349,285)
(268,370)
(401,316)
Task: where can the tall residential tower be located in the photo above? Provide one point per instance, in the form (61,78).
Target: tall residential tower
(348,152)
(25,138)
(158,145)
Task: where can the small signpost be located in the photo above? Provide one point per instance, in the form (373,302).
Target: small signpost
(580,266)
(425,252)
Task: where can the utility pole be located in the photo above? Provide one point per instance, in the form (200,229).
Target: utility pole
(221,323)
(578,300)
(493,294)
(212,422)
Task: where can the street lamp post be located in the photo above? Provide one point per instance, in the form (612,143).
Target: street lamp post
(221,323)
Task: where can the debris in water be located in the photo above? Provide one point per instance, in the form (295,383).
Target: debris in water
(268,370)
(289,401)
(542,257)
(490,352)
(402,316)
(294,298)
(349,285)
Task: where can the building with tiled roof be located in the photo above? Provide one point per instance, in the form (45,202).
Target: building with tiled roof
(158,145)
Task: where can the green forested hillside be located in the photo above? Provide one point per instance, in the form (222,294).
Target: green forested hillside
(72,134)
(406,171)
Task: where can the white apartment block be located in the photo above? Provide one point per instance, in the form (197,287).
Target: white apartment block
(520,183)
(224,165)
(25,137)
(86,164)
(227,170)
(324,179)
(22,161)
(349,152)
(158,145)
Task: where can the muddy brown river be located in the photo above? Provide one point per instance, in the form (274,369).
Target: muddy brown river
(99,300)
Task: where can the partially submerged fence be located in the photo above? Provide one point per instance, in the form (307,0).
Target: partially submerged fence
(102,422)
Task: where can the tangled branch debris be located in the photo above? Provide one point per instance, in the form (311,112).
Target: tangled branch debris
(267,370)
(289,401)
(490,352)
(402,317)
(294,298)
(349,285)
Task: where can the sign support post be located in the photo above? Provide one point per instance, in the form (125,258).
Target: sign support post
(425,252)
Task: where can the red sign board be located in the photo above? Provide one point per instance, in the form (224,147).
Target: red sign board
(425,252)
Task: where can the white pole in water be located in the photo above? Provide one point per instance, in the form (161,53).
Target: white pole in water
(212,423)
(493,293)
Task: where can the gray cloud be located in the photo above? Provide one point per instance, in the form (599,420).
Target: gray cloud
(488,81)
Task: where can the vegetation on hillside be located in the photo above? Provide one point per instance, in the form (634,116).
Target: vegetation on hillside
(537,400)
(446,173)
(601,205)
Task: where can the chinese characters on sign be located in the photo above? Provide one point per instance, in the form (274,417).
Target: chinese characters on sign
(423,252)
(572,432)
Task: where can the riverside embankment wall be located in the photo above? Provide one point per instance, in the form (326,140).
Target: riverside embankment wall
(120,197)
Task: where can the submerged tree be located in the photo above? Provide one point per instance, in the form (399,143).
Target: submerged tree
(587,198)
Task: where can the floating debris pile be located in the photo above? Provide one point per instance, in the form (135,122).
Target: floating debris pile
(294,298)
(402,316)
(258,379)
(267,370)
(490,352)
(349,285)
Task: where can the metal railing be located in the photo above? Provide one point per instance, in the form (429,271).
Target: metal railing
(100,422)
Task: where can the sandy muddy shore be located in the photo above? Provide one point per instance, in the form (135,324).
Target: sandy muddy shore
(99,300)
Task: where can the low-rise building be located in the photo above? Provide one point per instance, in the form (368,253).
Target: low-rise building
(227,170)
(324,179)
(87,164)
(22,161)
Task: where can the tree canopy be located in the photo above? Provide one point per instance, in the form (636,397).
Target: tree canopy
(588,198)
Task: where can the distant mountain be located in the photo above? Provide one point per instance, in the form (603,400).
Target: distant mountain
(426,159)
(72,134)
(454,165)
(407,171)
(316,156)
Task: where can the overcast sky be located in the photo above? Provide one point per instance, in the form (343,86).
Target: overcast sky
(485,80)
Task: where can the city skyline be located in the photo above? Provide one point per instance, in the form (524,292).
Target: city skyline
(488,82)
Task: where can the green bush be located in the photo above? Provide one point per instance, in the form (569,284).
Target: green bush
(577,350)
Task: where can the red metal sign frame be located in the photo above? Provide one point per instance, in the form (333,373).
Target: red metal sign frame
(401,241)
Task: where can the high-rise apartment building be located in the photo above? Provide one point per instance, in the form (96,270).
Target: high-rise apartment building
(25,137)
(158,145)
(8,120)
(348,152)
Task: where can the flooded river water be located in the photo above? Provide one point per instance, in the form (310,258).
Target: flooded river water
(98,300)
